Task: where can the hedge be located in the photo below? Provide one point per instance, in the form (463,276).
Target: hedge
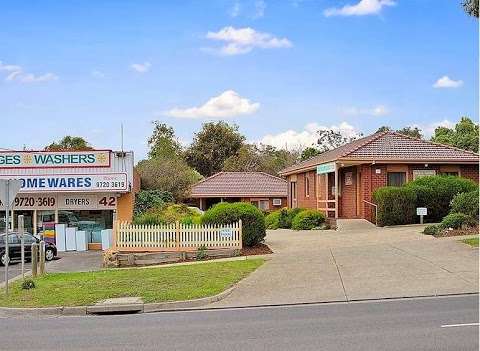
(286,217)
(457,221)
(169,213)
(272,220)
(148,199)
(436,193)
(396,205)
(252,219)
(308,219)
(466,203)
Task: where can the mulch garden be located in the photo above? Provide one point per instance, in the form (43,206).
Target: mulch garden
(259,249)
(457,232)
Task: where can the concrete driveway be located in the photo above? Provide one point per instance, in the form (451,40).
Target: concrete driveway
(358,261)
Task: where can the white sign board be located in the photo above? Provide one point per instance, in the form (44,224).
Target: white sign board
(421,211)
(71,182)
(70,201)
(226,233)
(8,189)
(326,168)
(54,159)
(417,173)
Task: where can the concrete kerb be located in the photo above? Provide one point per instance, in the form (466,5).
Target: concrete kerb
(95,309)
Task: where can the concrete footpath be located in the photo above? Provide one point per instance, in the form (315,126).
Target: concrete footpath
(359,261)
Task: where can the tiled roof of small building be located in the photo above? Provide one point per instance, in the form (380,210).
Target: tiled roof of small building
(388,146)
(240,184)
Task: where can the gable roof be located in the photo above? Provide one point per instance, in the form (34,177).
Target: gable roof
(388,146)
(240,184)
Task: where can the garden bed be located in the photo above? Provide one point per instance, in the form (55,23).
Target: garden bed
(457,232)
(259,249)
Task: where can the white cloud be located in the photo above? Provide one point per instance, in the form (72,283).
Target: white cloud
(260,7)
(227,104)
(293,140)
(364,7)
(235,10)
(377,111)
(141,67)
(429,129)
(16,73)
(243,40)
(446,82)
(97,74)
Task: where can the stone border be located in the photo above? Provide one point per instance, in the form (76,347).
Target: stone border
(114,308)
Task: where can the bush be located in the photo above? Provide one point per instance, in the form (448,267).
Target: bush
(286,217)
(436,192)
(252,218)
(169,213)
(28,284)
(147,199)
(466,203)
(308,219)
(457,221)
(396,205)
(272,220)
(432,229)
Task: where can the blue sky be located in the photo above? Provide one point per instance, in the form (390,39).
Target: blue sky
(279,69)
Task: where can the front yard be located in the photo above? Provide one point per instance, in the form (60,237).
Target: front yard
(472,242)
(175,283)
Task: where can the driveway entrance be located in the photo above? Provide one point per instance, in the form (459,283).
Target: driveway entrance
(358,261)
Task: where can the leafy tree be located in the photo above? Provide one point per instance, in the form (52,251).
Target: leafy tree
(263,158)
(71,143)
(211,146)
(163,142)
(330,139)
(464,135)
(168,174)
(383,129)
(413,132)
(471,7)
(147,199)
(309,152)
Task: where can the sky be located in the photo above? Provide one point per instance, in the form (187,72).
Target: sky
(280,70)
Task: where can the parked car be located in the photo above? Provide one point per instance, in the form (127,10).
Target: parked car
(15,247)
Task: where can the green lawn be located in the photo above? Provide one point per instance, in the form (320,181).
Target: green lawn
(152,284)
(472,242)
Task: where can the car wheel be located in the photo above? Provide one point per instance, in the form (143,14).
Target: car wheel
(3,259)
(49,255)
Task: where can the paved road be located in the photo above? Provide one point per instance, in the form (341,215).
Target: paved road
(412,324)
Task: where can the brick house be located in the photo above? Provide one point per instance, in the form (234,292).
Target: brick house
(362,166)
(263,190)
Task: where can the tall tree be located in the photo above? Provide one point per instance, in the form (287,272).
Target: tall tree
(309,152)
(70,143)
(330,139)
(383,129)
(211,146)
(471,7)
(464,135)
(413,132)
(163,142)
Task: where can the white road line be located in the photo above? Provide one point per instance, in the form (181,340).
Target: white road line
(460,325)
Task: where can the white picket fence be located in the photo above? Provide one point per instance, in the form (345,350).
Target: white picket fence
(175,237)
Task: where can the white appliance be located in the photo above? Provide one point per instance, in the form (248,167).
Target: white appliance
(107,239)
(277,202)
(81,240)
(70,239)
(60,230)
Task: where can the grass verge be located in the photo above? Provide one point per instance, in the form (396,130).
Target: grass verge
(153,284)
(472,242)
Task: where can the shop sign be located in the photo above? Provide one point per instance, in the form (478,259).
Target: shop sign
(65,202)
(71,182)
(326,168)
(48,159)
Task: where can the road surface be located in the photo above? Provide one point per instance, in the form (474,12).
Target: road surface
(443,323)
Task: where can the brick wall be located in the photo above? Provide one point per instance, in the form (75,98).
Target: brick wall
(371,180)
(348,199)
(305,201)
(470,172)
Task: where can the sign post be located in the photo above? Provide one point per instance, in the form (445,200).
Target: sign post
(22,238)
(421,211)
(8,189)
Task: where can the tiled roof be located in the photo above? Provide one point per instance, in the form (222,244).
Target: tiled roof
(238,184)
(388,146)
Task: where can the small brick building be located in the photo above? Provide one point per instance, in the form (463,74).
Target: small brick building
(263,190)
(362,166)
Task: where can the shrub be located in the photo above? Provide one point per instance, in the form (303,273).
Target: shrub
(286,217)
(252,218)
(457,221)
(272,220)
(308,219)
(28,284)
(396,205)
(466,203)
(147,199)
(169,213)
(432,229)
(436,192)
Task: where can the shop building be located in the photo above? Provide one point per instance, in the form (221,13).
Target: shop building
(341,182)
(263,190)
(82,189)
